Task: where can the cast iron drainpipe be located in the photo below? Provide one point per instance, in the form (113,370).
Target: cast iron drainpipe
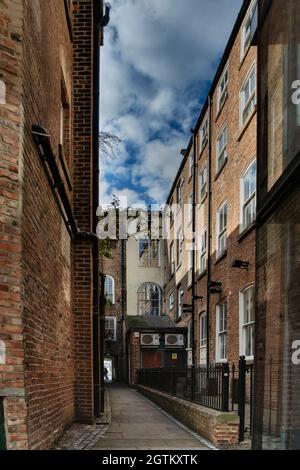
(209,234)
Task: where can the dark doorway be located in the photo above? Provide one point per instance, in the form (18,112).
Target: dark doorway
(151,359)
(2,428)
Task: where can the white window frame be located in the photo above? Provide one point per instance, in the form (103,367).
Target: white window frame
(172,258)
(250,104)
(191,162)
(221,331)
(250,201)
(190,209)
(203,331)
(108,276)
(246,37)
(179,192)
(150,258)
(171,300)
(180,295)
(204,134)
(189,336)
(203,251)
(221,232)
(179,247)
(222,151)
(190,267)
(114,327)
(203,183)
(223,93)
(248,325)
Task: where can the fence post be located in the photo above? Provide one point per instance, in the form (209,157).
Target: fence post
(225,387)
(242,396)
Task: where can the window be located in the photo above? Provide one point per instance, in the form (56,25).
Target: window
(149,299)
(179,243)
(2,92)
(179,191)
(190,209)
(248,96)
(149,253)
(190,267)
(247,30)
(203,183)
(110,333)
(109,289)
(204,134)
(203,330)
(172,259)
(221,349)
(191,163)
(179,302)
(222,229)
(171,301)
(203,248)
(248,196)
(247,322)
(223,88)
(171,213)
(222,148)
(65,124)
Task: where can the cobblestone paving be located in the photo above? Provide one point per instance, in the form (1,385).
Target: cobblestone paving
(81,437)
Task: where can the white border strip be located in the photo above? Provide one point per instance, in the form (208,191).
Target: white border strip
(181,425)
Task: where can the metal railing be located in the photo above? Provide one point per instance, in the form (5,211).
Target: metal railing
(206,386)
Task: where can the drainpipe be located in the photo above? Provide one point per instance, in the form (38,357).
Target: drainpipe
(209,233)
(193,382)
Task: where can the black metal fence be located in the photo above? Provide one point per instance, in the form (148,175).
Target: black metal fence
(219,387)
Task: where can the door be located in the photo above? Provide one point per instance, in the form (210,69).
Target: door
(2,428)
(151,359)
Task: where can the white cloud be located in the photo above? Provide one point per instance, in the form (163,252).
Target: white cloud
(157,59)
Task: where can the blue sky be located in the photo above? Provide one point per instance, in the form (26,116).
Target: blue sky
(157,63)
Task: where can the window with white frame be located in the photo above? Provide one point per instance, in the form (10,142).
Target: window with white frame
(247,29)
(203,330)
(190,267)
(221,340)
(248,196)
(204,134)
(247,322)
(202,251)
(109,289)
(149,253)
(222,148)
(149,299)
(179,191)
(223,88)
(203,183)
(248,96)
(222,229)
(171,301)
(110,333)
(172,259)
(180,294)
(191,162)
(190,209)
(179,244)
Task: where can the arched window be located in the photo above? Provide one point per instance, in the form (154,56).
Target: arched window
(109,289)
(149,299)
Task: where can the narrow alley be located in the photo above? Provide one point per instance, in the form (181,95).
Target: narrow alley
(138,424)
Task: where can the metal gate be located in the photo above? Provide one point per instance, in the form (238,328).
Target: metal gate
(2,427)
(242,396)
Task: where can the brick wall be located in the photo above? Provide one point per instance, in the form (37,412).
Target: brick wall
(46,329)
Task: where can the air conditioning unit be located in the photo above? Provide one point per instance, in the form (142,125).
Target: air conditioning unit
(150,340)
(174,341)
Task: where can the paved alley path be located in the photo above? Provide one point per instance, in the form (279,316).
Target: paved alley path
(137,424)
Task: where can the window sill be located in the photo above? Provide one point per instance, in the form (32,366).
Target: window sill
(171,276)
(246,232)
(203,199)
(178,267)
(220,169)
(247,124)
(221,108)
(202,275)
(220,257)
(221,361)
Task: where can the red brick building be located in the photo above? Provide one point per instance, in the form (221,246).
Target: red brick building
(49,315)
(222,157)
